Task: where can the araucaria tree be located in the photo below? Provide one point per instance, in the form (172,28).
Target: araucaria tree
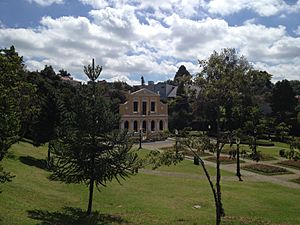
(223,77)
(87,149)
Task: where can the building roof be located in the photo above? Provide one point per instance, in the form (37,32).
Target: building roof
(173,92)
(144,92)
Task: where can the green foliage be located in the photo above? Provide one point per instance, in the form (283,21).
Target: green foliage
(282,131)
(294,151)
(86,148)
(180,113)
(282,152)
(111,155)
(283,100)
(182,76)
(16,108)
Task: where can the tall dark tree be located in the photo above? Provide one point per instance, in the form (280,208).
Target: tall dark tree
(87,149)
(283,100)
(15,106)
(181,73)
(296,86)
(42,127)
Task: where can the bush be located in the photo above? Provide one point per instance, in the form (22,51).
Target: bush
(196,161)
(159,136)
(282,152)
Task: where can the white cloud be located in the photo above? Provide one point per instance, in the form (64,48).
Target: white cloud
(261,7)
(281,71)
(128,46)
(297,31)
(2,24)
(46,2)
(186,8)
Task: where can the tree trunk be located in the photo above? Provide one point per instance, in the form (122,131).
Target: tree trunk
(48,158)
(91,187)
(218,221)
(219,211)
(238,169)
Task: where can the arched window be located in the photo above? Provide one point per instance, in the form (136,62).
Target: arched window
(144,126)
(152,125)
(126,125)
(135,126)
(161,125)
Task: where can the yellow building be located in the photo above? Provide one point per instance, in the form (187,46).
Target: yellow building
(143,111)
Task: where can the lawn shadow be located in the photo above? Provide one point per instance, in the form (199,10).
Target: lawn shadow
(30,161)
(73,216)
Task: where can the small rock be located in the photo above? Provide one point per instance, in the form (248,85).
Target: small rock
(197,206)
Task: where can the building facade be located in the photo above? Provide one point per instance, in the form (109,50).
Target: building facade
(143,111)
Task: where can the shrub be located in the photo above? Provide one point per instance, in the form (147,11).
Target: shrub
(196,161)
(159,136)
(282,152)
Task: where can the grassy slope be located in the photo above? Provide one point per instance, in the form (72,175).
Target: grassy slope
(143,199)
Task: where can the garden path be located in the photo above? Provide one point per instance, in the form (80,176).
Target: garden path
(283,180)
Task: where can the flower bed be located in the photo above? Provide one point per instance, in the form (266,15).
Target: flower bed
(223,160)
(291,163)
(266,169)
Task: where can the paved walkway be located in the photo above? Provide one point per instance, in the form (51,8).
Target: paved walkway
(282,180)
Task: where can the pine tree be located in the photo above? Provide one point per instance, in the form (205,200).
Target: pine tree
(88,149)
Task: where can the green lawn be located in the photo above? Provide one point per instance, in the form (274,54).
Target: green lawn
(143,199)
(267,150)
(186,166)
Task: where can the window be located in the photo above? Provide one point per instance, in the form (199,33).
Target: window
(161,125)
(135,106)
(144,126)
(135,126)
(144,108)
(152,106)
(152,125)
(126,125)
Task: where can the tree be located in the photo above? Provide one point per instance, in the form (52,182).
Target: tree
(182,73)
(87,150)
(180,113)
(50,91)
(15,106)
(283,100)
(294,152)
(296,86)
(63,73)
(221,78)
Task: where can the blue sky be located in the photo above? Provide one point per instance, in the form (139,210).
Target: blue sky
(131,38)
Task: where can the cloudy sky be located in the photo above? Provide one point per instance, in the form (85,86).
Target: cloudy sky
(130,38)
